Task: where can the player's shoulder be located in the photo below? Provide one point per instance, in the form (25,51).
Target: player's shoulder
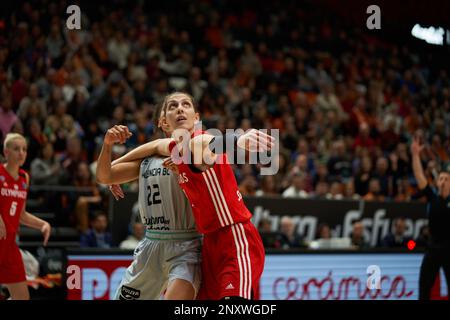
(23,174)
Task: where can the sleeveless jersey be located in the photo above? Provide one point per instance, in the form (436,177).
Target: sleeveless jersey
(13,196)
(214,195)
(163,206)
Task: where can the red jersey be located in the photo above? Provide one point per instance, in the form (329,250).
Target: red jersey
(214,195)
(13,195)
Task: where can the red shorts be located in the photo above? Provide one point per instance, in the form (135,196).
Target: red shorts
(232,263)
(12,269)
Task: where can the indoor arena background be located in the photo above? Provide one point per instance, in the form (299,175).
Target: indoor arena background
(346,99)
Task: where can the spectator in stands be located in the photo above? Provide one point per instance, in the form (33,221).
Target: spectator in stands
(268,187)
(288,236)
(363,176)
(404,190)
(357,236)
(248,185)
(374,193)
(321,190)
(383,176)
(323,231)
(339,164)
(297,188)
(349,191)
(46,168)
(71,158)
(88,200)
(7,117)
(32,105)
(97,236)
(397,238)
(131,242)
(336,192)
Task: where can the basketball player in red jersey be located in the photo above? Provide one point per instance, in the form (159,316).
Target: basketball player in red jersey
(233,253)
(14,184)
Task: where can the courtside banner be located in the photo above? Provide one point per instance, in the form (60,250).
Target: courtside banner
(353,276)
(307,276)
(377,217)
(95,276)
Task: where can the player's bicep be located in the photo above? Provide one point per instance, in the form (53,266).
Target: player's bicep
(124,172)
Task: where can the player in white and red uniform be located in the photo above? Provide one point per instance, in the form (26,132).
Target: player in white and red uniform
(13,195)
(233,253)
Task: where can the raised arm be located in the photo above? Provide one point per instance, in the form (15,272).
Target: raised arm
(416,148)
(127,171)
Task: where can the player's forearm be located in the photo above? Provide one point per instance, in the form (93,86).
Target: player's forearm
(418,171)
(103,171)
(159,146)
(31,221)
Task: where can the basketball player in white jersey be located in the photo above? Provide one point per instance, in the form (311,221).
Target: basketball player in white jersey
(167,261)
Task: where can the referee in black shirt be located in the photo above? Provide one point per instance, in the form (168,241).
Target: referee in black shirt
(437,254)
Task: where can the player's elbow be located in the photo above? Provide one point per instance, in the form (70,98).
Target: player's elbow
(102,178)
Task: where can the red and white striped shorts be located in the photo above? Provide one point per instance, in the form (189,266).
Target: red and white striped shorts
(232,263)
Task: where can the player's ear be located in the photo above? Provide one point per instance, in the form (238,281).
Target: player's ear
(197,117)
(163,124)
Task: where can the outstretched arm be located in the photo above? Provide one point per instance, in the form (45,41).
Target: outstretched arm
(205,154)
(159,146)
(419,174)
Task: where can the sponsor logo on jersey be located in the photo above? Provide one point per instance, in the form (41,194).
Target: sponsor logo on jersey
(229,287)
(157,223)
(127,293)
(155,172)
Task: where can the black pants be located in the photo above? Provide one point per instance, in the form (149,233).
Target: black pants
(432,261)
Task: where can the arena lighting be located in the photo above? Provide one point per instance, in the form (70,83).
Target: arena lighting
(431,35)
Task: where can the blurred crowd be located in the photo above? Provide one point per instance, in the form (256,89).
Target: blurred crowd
(346,103)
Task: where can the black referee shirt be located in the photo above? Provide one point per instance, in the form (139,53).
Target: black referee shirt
(438,210)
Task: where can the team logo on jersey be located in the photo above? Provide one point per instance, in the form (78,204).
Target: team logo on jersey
(2,178)
(24,185)
(127,293)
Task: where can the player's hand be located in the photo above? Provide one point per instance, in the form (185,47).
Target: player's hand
(116,191)
(169,164)
(2,229)
(417,146)
(256,141)
(117,134)
(46,230)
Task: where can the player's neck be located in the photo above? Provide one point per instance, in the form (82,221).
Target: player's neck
(12,169)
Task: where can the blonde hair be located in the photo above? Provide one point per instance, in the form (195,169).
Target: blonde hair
(9,139)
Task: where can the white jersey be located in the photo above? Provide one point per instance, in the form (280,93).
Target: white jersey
(163,206)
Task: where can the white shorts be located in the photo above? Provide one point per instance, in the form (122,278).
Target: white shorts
(158,262)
